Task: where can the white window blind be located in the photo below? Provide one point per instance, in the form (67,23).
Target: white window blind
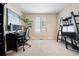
(41,24)
(37,24)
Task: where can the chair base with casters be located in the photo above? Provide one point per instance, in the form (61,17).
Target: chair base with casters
(25,43)
(22,40)
(28,44)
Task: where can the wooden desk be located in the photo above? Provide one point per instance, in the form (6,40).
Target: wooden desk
(12,40)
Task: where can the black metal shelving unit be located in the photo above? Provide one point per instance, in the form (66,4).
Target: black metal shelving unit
(2,45)
(74,36)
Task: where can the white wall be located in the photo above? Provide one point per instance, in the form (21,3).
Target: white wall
(13,8)
(66,12)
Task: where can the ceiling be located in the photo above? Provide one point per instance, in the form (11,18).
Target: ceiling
(41,7)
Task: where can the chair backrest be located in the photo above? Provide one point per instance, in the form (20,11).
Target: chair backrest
(27,31)
(26,34)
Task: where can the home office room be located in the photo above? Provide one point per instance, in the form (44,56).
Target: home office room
(39,29)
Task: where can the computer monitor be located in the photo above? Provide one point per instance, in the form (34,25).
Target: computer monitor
(13,27)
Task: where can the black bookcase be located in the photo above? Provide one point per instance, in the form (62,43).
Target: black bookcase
(2,47)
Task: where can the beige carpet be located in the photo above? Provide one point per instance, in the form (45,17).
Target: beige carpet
(44,48)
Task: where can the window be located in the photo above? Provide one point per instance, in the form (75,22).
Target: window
(13,21)
(40,24)
(13,18)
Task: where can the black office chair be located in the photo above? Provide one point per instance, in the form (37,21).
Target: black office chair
(22,39)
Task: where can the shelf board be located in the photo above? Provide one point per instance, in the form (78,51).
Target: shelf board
(66,19)
(68,25)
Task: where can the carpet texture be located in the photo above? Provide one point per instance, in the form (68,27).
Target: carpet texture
(44,48)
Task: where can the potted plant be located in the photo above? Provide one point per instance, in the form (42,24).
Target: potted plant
(27,20)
